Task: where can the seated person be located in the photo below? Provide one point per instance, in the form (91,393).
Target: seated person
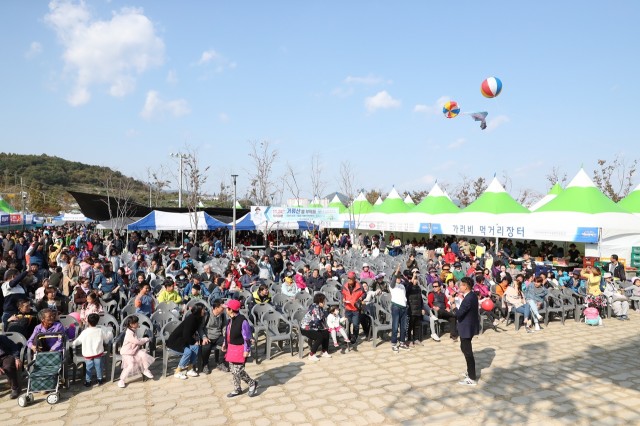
(379,285)
(10,363)
(50,325)
(315,282)
(144,302)
(196,293)
(218,291)
(195,280)
(25,320)
(93,306)
(54,301)
(439,302)
(289,288)
(261,296)
(81,290)
(169,293)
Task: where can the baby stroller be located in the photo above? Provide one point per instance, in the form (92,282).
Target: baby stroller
(45,371)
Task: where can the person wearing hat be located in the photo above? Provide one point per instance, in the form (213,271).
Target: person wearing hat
(237,347)
(379,284)
(616,297)
(366,273)
(289,287)
(352,296)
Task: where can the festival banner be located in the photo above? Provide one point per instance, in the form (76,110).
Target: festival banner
(261,214)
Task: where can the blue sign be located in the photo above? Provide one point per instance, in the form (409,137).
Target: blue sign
(424,228)
(4,220)
(587,235)
(436,228)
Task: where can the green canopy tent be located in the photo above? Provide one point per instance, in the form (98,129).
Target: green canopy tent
(393,204)
(553,193)
(5,207)
(631,202)
(335,203)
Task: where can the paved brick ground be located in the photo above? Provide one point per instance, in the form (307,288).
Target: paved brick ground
(574,374)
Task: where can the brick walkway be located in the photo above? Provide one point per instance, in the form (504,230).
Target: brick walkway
(574,374)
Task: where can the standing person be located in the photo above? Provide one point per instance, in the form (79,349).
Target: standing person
(92,340)
(237,346)
(616,269)
(352,296)
(468,326)
(398,314)
(416,311)
(185,340)
(214,331)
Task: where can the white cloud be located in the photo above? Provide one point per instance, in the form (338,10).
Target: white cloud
(433,109)
(104,52)
(172,77)
(457,143)
(34,50)
(154,106)
(219,62)
(224,117)
(366,80)
(496,122)
(381,100)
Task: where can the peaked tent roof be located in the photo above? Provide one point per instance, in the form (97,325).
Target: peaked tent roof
(392,204)
(361,205)
(5,207)
(632,201)
(495,200)
(409,201)
(378,201)
(166,221)
(553,193)
(581,195)
(336,203)
(315,203)
(437,202)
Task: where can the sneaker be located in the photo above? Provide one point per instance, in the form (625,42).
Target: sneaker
(465,375)
(192,373)
(205,369)
(87,384)
(418,343)
(122,384)
(234,393)
(537,327)
(180,375)
(326,355)
(313,358)
(454,339)
(496,322)
(528,329)
(435,337)
(336,345)
(539,316)
(100,382)
(147,374)
(467,382)
(223,367)
(253,389)
(405,347)
(394,348)
(15,393)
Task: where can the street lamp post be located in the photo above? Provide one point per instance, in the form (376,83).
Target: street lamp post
(233,234)
(181,156)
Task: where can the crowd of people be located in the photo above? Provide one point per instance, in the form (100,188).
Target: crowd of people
(53,272)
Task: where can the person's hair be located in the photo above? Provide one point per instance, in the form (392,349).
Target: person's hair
(262,287)
(197,310)
(132,319)
(11,274)
(168,283)
(596,271)
(216,303)
(45,312)
(50,290)
(507,278)
(333,308)
(592,305)
(23,302)
(539,280)
(319,298)
(467,281)
(196,287)
(93,319)
(58,269)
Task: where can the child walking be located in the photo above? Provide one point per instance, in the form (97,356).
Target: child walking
(334,322)
(134,358)
(92,340)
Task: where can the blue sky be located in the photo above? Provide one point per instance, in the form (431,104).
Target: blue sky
(124,83)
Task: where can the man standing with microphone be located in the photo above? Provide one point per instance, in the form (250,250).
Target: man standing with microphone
(468,326)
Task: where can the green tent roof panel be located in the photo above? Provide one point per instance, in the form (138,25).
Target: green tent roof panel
(392,204)
(495,200)
(437,202)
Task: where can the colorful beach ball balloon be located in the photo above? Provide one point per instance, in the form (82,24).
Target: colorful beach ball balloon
(451,109)
(491,87)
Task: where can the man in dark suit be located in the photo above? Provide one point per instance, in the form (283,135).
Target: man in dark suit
(468,326)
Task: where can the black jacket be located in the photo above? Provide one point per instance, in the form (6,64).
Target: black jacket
(184,334)
(414,299)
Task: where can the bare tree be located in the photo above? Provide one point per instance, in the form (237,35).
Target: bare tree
(291,181)
(479,186)
(469,190)
(615,178)
(347,187)
(557,176)
(196,178)
(527,197)
(317,184)
(158,182)
(373,195)
(418,196)
(119,191)
(261,187)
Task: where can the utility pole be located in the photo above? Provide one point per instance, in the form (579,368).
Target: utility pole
(22,201)
(233,235)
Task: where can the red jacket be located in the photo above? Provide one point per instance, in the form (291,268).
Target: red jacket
(431,299)
(350,297)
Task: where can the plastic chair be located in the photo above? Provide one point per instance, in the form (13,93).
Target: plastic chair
(166,353)
(377,324)
(68,321)
(108,320)
(19,339)
(297,330)
(116,358)
(279,300)
(160,319)
(111,306)
(291,307)
(278,329)
(304,298)
(142,320)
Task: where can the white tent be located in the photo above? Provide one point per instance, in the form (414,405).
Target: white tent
(166,221)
